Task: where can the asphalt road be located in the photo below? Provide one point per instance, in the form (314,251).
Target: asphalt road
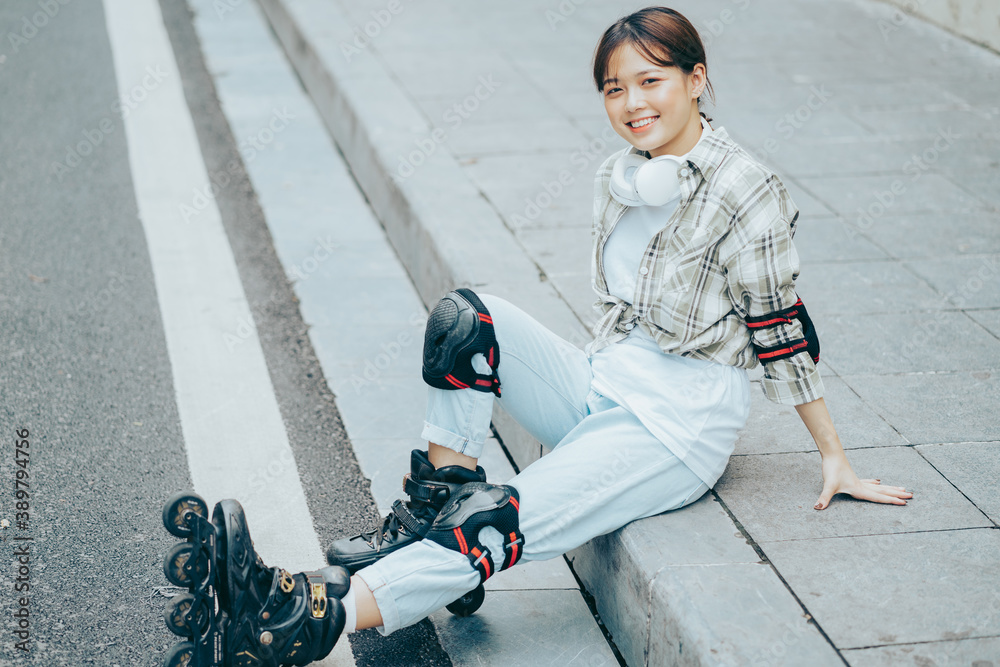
(84,366)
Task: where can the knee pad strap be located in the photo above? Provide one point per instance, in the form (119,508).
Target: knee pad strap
(458,328)
(475,506)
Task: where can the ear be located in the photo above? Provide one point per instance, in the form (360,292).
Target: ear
(698,79)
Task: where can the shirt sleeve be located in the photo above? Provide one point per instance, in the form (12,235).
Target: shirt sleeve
(761,267)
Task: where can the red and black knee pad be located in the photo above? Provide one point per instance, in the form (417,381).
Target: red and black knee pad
(459,328)
(473,507)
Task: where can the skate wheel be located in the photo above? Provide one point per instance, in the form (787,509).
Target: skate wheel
(175,512)
(180,655)
(181,569)
(180,609)
(468,603)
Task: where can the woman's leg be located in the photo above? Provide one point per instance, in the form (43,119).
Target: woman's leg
(607,471)
(544,382)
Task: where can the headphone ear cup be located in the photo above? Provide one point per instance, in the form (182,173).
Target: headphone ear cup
(623,179)
(656,182)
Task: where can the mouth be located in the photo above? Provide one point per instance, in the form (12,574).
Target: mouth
(641,124)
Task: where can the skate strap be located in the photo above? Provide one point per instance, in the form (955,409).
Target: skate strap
(317,594)
(413,525)
(486,342)
(513,546)
(425,490)
(482,560)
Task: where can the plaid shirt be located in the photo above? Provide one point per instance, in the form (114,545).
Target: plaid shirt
(725,254)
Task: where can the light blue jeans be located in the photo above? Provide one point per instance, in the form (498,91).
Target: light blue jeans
(605,468)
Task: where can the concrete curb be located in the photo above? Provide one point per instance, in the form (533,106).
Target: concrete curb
(683,588)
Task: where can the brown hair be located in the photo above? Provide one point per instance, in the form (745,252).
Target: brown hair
(661,34)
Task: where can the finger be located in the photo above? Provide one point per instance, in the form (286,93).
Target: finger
(897,491)
(872,481)
(877,497)
(824,498)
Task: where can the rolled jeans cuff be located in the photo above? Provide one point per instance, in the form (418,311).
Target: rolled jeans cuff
(383,599)
(452,441)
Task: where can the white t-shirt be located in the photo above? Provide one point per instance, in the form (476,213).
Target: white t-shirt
(693,406)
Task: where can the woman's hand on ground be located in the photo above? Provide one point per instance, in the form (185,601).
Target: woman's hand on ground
(838,477)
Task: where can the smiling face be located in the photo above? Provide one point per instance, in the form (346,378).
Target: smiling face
(653,107)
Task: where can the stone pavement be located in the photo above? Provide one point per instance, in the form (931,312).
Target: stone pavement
(474,132)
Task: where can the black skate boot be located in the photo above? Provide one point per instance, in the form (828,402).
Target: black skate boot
(429,489)
(239,612)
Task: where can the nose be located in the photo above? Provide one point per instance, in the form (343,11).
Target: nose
(634,99)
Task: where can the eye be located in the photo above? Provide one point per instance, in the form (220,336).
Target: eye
(650,79)
(611,91)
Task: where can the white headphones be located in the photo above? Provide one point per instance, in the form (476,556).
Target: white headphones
(639,181)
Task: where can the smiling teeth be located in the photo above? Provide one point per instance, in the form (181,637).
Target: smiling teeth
(640,123)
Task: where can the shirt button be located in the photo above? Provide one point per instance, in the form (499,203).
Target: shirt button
(685,172)
(643,271)
(628,326)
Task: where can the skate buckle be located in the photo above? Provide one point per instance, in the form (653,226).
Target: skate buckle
(318,599)
(286,582)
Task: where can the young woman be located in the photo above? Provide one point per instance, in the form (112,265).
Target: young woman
(695,270)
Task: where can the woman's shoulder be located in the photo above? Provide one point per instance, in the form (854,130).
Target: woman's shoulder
(751,187)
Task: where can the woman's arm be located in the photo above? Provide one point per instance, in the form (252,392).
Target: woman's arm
(838,477)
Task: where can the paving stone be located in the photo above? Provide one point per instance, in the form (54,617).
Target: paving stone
(966,282)
(825,239)
(891,194)
(774,428)
(770,132)
(321,306)
(983,182)
(476,137)
(384,461)
(516,185)
(905,342)
(382,409)
(810,206)
(936,234)
(954,653)
(511,100)
(525,628)
(354,263)
(559,251)
(973,467)
(355,361)
(929,408)
(737,614)
(578,292)
(988,318)
(966,154)
(553,574)
(773,495)
(862,288)
(618,569)
(831,157)
(889,589)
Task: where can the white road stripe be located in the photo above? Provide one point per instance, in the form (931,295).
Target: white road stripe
(233,431)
